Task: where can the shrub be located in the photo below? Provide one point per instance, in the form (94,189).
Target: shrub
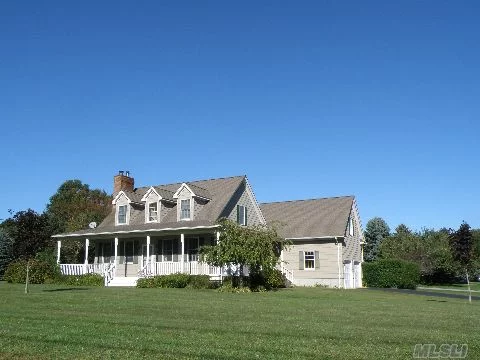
(39,271)
(274,279)
(80,280)
(391,273)
(200,282)
(229,288)
(177,280)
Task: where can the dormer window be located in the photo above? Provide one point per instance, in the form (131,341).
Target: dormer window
(122,214)
(153,212)
(185,209)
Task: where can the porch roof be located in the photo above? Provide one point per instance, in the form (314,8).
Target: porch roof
(140,228)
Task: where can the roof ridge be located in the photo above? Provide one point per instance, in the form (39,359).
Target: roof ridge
(189,182)
(313,199)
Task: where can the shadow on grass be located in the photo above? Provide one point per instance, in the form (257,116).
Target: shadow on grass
(66,289)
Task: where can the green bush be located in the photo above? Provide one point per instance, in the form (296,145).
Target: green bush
(391,274)
(177,280)
(200,282)
(227,287)
(39,271)
(274,279)
(80,280)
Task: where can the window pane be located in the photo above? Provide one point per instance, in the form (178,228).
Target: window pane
(185,209)
(309,260)
(241,215)
(152,212)
(122,214)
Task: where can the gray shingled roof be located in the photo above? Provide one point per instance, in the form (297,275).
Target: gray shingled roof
(219,191)
(310,218)
(199,191)
(164,193)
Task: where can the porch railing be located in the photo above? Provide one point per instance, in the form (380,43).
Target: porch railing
(109,273)
(81,269)
(189,267)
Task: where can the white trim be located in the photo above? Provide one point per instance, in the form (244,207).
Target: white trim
(305,260)
(147,211)
(190,212)
(149,191)
(120,193)
(138,231)
(184,185)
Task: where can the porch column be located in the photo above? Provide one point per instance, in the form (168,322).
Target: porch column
(87,243)
(148,250)
(182,240)
(221,267)
(116,251)
(59,246)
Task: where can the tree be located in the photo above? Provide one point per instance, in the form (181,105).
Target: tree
(29,232)
(72,208)
(6,251)
(461,243)
(375,231)
(429,249)
(257,247)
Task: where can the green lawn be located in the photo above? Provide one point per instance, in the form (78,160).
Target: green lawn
(303,323)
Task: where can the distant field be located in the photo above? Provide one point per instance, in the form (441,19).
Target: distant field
(303,323)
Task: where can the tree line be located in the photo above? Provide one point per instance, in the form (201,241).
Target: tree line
(443,256)
(26,234)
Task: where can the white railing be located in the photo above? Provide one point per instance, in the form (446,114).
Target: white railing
(288,273)
(167,268)
(146,270)
(189,267)
(109,273)
(201,268)
(81,269)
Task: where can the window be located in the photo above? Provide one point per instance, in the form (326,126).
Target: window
(350,227)
(185,209)
(122,214)
(167,250)
(152,211)
(241,215)
(192,248)
(309,260)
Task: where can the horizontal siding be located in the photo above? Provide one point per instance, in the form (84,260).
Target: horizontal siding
(328,260)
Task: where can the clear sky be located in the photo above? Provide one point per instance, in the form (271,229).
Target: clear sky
(308,99)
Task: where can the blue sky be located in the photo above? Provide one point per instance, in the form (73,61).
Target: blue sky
(308,99)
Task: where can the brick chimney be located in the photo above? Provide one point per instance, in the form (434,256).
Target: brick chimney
(123,181)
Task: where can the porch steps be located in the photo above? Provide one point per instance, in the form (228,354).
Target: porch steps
(124,281)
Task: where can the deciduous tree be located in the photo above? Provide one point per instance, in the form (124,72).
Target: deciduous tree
(257,247)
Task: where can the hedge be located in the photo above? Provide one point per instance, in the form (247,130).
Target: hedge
(391,274)
(177,280)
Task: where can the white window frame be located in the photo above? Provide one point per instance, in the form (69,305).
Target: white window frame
(351,229)
(312,260)
(242,220)
(125,215)
(149,215)
(189,209)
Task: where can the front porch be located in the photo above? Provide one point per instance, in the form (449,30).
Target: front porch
(140,256)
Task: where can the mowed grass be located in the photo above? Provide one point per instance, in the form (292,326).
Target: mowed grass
(302,323)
